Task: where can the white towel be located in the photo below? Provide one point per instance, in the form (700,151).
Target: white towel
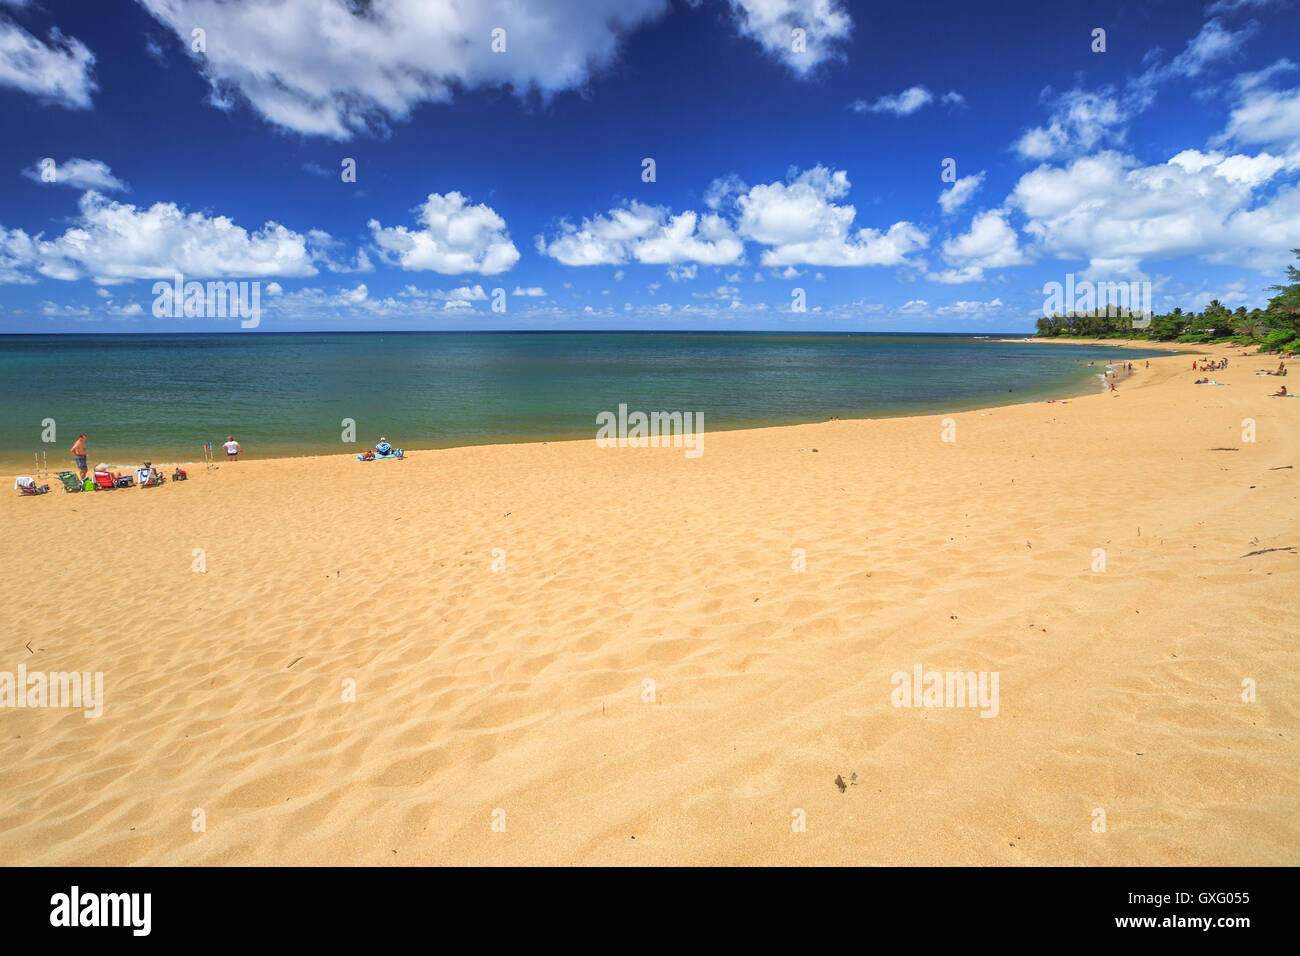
(24,482)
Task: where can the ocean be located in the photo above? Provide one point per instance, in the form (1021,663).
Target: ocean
(161,397)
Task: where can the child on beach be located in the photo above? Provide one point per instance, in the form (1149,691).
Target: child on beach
(232,448)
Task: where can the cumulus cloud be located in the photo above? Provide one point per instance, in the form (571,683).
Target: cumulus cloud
(1111,207)
(953,198)
(771,23)
(649,234)
(798,220)
(114,242)
(57,70)
(991,243)
(79,174)
(802,224)
(454,237)
(336,67)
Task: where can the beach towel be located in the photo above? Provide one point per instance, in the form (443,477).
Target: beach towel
(24,482)
(396,453)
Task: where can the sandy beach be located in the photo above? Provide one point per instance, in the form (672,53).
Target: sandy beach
(565,654)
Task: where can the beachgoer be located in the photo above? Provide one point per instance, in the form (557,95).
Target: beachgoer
(79,453)
(367,455)
(1148,363)
(232,448)
(383,448)
(1280,393)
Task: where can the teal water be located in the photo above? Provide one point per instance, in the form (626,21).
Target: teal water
(162,396)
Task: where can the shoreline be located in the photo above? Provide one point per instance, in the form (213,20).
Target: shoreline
(14,462)
(499,611)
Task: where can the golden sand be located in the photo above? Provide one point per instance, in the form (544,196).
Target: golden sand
(518,696)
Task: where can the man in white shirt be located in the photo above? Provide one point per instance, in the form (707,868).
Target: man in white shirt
(232,448)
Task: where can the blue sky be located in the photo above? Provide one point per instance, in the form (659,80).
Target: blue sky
(1172,157)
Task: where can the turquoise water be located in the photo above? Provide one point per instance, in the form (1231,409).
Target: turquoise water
(162,396)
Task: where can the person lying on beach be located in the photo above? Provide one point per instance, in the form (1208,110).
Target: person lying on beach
(367,455)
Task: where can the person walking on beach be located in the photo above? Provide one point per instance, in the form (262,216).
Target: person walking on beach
(232,448)
(79,453)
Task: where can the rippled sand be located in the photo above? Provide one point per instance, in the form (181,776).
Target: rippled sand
(519,696)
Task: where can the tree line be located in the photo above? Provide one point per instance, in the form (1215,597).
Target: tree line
(1277,326)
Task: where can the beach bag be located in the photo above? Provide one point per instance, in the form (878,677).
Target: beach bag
(88,484)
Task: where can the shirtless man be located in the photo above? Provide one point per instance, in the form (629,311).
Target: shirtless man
(79,453)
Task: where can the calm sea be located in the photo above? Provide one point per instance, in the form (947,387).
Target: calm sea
(162,396)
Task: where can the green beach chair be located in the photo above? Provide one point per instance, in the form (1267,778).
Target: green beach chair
(70,481)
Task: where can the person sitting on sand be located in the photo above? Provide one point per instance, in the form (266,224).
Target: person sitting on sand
(383,448)
(1281,393)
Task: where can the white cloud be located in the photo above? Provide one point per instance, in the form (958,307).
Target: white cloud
(682,273)
(113,242)
(906,102)
(826,25)
(991,243)
(1231,6)
(336,67)
(649,234)
(1082,120)
(1110,207)
(802,225)
(1079,121)
(79,174)
(1265,117)
(57,70)
(914,307)
(968,308)
(901,104)
(531,291)
(454,238)
(953,198)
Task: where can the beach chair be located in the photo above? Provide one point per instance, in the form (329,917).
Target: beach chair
(149,478)
(103,481)
(28,486)
(70,481)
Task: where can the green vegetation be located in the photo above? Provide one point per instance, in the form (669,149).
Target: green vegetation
(1276,327)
